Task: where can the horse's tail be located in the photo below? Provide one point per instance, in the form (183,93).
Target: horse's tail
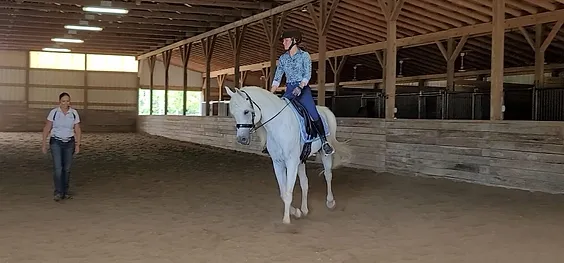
(343,153)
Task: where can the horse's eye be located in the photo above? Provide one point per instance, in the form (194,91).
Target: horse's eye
(246,112)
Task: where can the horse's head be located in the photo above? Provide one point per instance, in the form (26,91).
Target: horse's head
(246,113)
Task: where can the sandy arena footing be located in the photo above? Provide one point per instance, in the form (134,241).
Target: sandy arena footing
(140,198)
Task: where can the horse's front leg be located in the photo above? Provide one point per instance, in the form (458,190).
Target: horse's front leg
(280,172)
(291,174)
(305,187)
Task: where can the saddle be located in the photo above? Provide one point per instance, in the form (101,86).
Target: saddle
(308,131)
(308,124)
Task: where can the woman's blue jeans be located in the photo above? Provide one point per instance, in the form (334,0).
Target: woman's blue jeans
(62,153)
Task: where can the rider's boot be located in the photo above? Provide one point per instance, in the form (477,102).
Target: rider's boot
(326,147)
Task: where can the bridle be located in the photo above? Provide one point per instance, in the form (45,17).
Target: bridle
(252,124)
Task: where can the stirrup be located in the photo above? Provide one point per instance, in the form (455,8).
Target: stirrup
(327,148)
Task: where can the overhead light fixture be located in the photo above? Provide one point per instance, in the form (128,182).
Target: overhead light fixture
(52,49)
(109,10)
(87,28)
(67,40)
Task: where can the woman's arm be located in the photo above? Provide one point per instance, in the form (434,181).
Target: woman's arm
(46,131)
(47,127)
(277,76)
(306,60)
(77,129)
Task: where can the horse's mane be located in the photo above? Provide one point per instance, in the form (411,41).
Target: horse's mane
(259,94)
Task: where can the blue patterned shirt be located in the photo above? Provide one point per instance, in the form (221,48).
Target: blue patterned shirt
(297,68)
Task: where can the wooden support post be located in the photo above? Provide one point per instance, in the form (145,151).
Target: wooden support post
(539,46)
(85,105)
(265,74)
(272,30)
(185,54)
(243,77)
(207,45)
(498,35)
(152,60)
(236,41)
(337,67)
(220,82)
(450,54)
(167,55)
(391,10)
(321,21)
(381,56)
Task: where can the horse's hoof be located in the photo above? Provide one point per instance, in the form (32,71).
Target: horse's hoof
(305,212)
(298,213)
(286,221)
(331,204)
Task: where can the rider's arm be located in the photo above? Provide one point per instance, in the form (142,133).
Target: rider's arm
(277,76)
(306,74)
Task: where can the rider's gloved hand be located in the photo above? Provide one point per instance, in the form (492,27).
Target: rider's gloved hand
(297,91)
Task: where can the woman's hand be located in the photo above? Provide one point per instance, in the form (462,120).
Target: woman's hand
(44,148)
(297,91)
(76,149)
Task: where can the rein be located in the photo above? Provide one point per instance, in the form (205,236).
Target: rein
(252,125)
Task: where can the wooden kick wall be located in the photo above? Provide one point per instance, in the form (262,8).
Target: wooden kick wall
(106,101)
(515,154)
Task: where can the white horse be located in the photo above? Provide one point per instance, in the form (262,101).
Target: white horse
(258,110)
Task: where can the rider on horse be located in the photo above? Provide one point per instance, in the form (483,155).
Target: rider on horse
(296,64)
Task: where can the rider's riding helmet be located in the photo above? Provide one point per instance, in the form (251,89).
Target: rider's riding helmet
(294,34)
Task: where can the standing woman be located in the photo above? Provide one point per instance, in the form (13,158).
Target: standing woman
(62,128)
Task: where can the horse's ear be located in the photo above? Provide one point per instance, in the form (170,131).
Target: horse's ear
(229,92)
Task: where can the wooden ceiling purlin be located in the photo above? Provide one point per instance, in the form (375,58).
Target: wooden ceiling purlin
(104,19)
(223,29)
(473,31)
(157,7)
(108,27)
(132,13)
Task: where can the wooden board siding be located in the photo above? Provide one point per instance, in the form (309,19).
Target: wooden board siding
(514,154)
(106,101)
(18,118)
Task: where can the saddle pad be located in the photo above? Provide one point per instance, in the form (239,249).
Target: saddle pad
(301,120)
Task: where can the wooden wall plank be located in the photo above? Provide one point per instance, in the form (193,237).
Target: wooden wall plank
(514,154)
(112,104)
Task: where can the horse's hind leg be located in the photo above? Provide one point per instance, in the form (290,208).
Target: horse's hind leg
(327,164)
(305,186)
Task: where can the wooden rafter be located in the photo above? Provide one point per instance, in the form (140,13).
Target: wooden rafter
(236,41)
(272,29)
(207,47)
(223,29)
(152,61)
(185,51)
(167,55)
(321,21)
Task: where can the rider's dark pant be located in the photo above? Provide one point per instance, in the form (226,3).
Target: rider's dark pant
(305,98)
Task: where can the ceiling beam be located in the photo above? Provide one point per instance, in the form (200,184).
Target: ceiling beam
(106,35)
(457,75)
(225,28)
(156,7)
(262,5)
(107,18)
(123,28)
(473,30)
(132,13)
